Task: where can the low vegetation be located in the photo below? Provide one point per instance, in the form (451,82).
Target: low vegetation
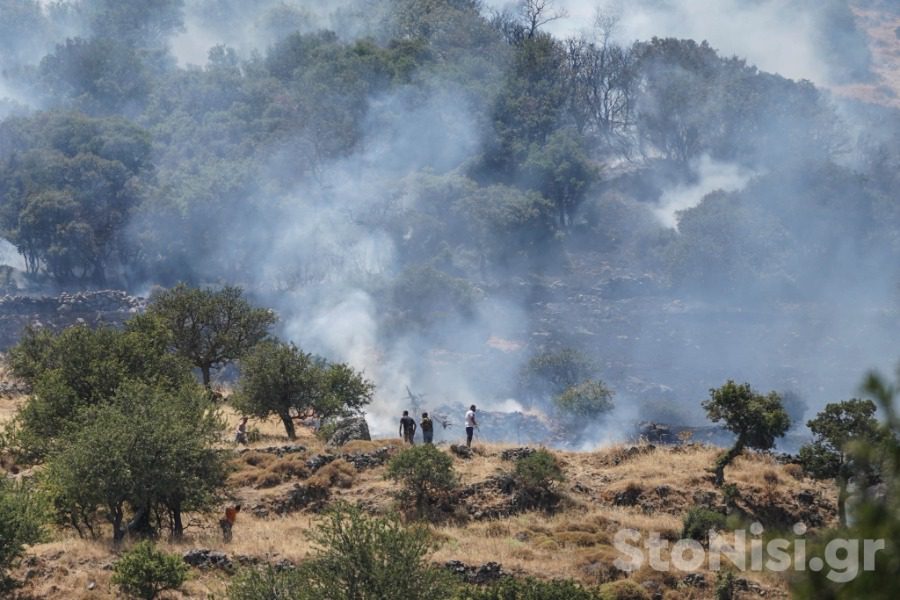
(145,572)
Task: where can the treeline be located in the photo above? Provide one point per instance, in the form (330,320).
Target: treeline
(136,170)
(129,436)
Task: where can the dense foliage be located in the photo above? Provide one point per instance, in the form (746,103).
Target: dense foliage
(280,379)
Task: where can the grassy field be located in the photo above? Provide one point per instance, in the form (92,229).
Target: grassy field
(574,542)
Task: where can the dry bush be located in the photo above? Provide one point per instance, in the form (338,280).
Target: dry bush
(290,466)
(581,538)
(795,471)
(596,565)
(338,473)
(367,446)
(257,459)
(586,527)
(496,529)
(522,553)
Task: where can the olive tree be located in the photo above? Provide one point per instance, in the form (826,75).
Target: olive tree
(757,420)
(149,453)
(210,328)
(834,429)
(278,378)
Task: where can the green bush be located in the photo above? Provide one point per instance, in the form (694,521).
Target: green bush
(624,589)
(535,476)
(356,558)
(269,583)
(21,521)
(144,572)
(426,474)
(529,589)
(581,403)
(699,521)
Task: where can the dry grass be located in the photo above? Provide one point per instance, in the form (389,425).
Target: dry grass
(576,542)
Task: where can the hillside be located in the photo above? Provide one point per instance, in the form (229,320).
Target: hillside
(641,486)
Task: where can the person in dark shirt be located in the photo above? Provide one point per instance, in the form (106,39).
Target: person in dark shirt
(407,427)
(427,428)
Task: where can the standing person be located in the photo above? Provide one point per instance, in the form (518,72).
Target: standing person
(427,428)
(471,424)
(227,523)
(240,434)
(407,428)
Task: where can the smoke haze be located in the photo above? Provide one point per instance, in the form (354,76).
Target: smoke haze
(730,239)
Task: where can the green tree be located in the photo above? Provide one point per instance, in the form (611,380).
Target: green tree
(559,169)
(757,420)
(426,475)
(280,379)
(145,572)
(150,451)
(582,403)
(70,184)
(210,328)
(82,367)
(834,429)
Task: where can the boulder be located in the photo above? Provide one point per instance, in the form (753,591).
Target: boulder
(349,429)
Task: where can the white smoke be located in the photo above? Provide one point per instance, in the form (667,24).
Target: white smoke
(709,175)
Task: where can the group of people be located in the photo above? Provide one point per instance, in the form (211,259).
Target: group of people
(408,427)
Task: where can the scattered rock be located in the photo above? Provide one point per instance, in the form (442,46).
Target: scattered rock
(694,580)
(461,451)
(369,460)
(479,575)
(204,558)
(278,451)
(302,497)
(517,453)
(628,497)
(318,461)
(91,585)
(349,429)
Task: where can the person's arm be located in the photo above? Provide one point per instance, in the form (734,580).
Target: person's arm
(401,428)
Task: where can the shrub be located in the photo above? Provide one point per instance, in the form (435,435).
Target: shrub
(535,476)
(699,521)
(426,474)
(269,583)
(144,572)
(21,520)
(356,558)
(624,589)
(529,589)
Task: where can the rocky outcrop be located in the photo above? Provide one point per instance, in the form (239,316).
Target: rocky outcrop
(349,429)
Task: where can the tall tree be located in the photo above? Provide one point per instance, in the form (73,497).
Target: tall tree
(210,328)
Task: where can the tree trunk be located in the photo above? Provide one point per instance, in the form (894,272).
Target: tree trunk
(842,501)
(204,369)
(288,425)
(725,459)
(177,525)
(118,532)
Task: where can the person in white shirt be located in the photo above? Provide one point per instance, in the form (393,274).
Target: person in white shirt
(471,424)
